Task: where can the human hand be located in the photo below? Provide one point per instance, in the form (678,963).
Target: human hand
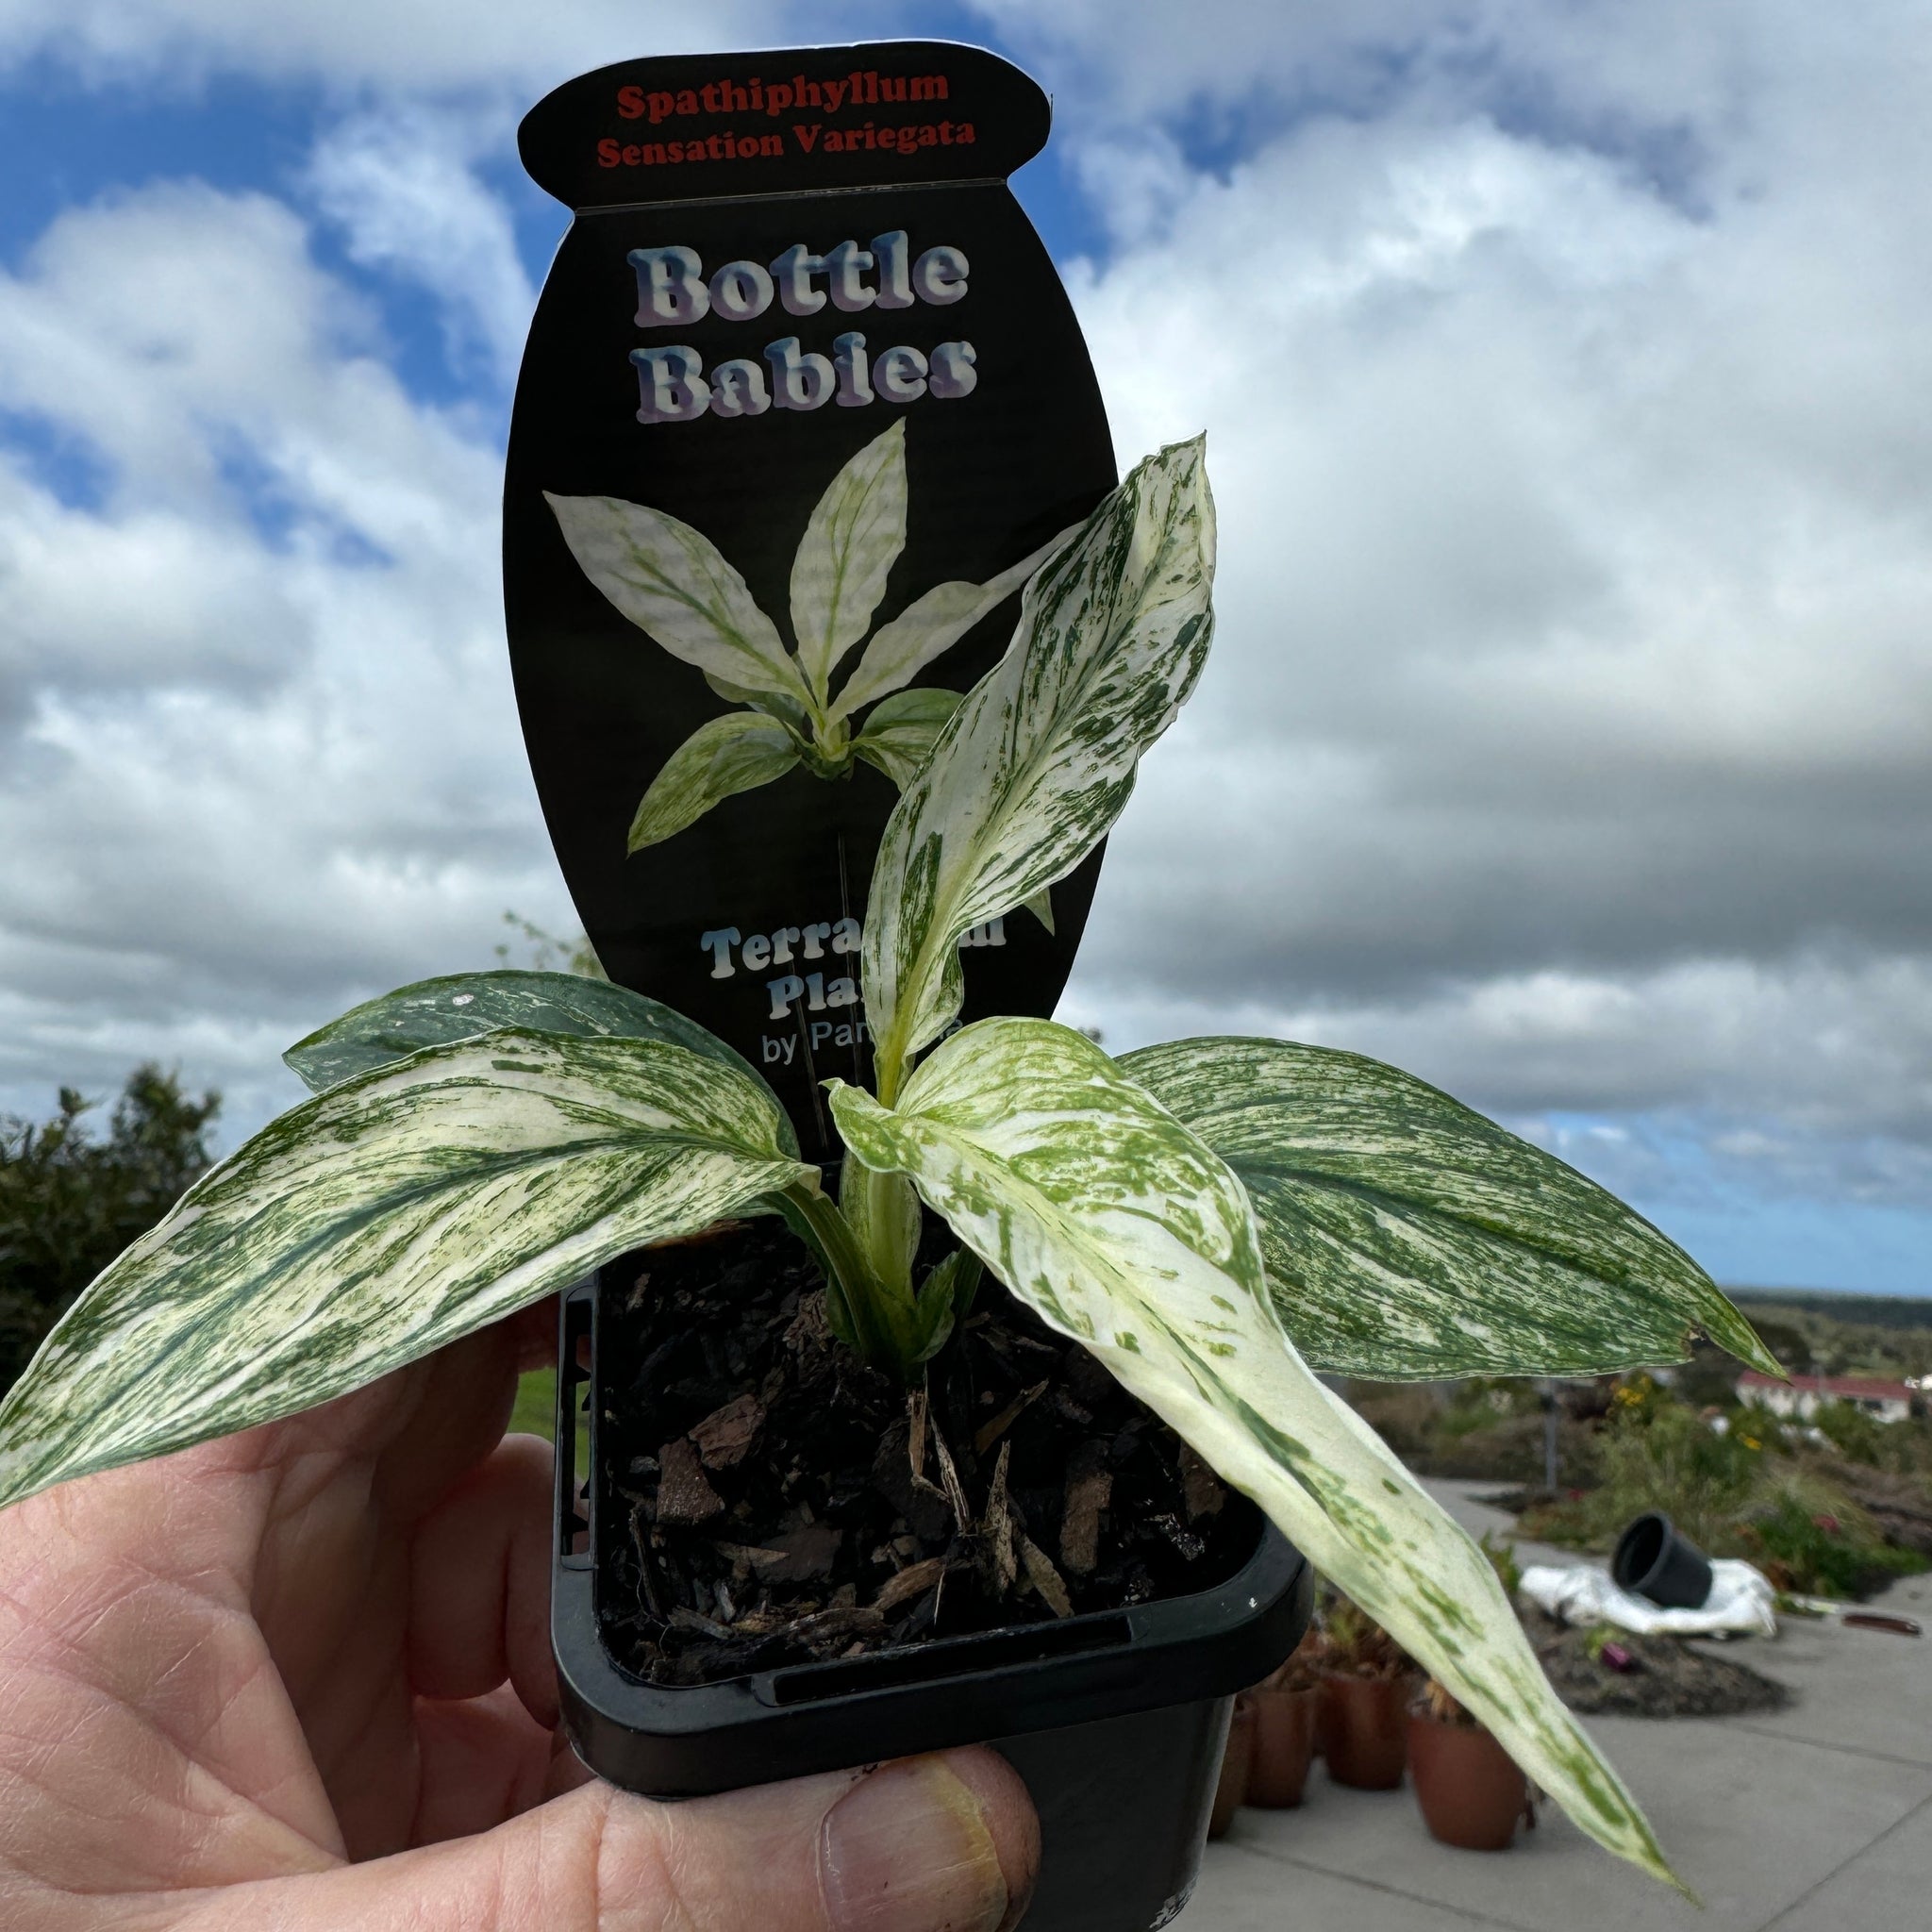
(301,1678)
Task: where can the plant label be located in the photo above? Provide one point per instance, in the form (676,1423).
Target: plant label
(803,406)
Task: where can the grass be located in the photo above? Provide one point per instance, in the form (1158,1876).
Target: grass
(535,1414)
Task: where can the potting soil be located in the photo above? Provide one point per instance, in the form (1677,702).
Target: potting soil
(785,1505)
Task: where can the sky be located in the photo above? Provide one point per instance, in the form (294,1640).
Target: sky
(1568,736)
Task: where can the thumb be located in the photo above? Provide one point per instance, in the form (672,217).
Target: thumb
(943,1843)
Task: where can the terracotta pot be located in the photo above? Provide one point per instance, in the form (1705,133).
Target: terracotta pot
(1284,1743)
(1470,1793)
(1363,1730)
(1237,1762)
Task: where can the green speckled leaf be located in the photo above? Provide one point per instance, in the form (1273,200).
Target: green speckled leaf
(930,626)
(854,538)
(724,755)
(381,1220)
(1407,1237)
(774,703)
(899,736)
(1102,1212)
(673,581)
(1037,763)
(462,1005)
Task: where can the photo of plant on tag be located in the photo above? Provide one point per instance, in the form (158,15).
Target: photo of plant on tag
(784,453)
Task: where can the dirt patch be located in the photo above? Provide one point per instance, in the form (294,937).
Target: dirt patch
(787,1504)
(1900,1506)
(1663,1676)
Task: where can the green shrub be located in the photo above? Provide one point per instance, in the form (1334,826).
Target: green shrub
(1654,1453)
(1829,1552)
(1662,1456)
(1734,1493)
(1503,1561)
(70,1202)
(1760,1428)
(1855,1433)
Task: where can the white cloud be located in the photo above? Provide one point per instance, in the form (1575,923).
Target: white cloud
(1779,1069)
(425,46)
(402,182)
(261,748)
(1570,729)
(1569,737)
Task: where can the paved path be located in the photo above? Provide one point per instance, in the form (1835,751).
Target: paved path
(1818,1819)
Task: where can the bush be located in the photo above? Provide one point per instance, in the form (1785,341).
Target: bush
(1823,1552)
(1664,1456)
(1855,1433)
(70,1203)
(1734,1493)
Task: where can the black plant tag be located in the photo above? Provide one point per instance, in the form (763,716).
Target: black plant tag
(802,393)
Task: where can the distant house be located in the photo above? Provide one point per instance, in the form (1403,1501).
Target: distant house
(1890,1402)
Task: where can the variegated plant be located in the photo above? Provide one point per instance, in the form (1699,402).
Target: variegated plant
(1216,1220)
(671,580)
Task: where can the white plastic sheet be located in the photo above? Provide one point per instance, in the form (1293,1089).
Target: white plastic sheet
(1741,1601)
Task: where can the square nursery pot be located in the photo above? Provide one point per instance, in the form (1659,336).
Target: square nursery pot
(1116,1721)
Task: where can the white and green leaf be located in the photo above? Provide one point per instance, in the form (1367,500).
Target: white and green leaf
(381,1220)
(774,703)
(1407,1236)
(673,581)
(465,1005)
(900,734)
(1098,1208)
(930,626)
(1036,765)
(724,755)
(852,542)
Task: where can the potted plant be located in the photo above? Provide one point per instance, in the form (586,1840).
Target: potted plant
(1211,1222)
(1366,1683)
(1470,1793)
(1285,1705)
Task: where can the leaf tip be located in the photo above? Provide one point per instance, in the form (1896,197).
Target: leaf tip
(1726,1324)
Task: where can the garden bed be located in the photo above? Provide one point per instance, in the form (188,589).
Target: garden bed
(1662,1676)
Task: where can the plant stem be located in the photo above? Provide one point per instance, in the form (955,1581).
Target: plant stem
(858,1301)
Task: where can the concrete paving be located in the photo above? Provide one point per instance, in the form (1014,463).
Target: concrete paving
(1818,1819)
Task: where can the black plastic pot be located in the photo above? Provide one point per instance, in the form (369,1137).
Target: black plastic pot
(1116,1721)
(1655,1561)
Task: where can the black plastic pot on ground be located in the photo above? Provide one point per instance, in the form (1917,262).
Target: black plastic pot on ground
(1116,1721)
(1656,1562)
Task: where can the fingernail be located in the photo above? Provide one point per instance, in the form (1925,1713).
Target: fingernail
(907,1849)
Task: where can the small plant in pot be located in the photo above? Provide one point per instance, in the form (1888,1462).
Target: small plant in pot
(1285,1706)
(1209,1223)
(1366,1683)
(1470,1793)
